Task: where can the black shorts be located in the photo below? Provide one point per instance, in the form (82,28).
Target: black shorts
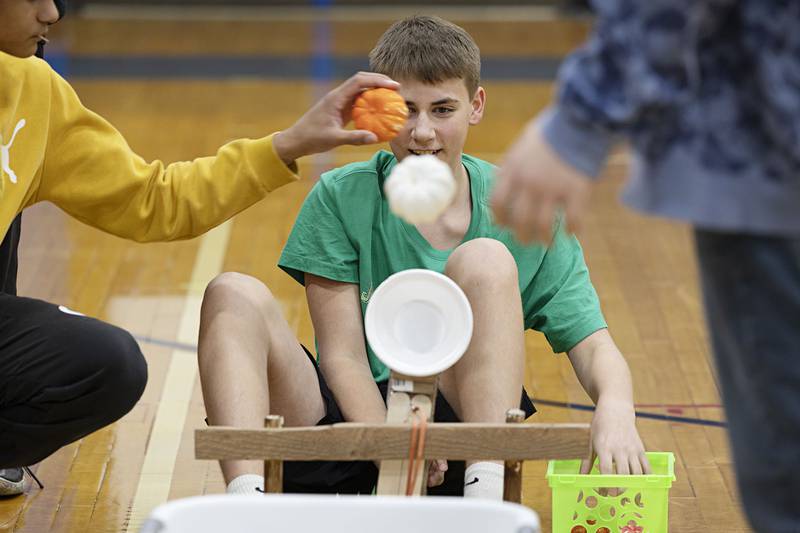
(360,477)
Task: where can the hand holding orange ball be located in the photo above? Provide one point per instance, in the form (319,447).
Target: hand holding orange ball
(381,111)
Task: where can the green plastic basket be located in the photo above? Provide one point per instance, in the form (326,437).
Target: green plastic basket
(596,503)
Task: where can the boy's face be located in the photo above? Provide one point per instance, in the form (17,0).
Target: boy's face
(438,120)
(24,24)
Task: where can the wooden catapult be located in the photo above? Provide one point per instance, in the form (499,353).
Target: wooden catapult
(404,444)
(409,439)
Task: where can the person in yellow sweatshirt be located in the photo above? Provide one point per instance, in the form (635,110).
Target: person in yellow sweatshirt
(64,375)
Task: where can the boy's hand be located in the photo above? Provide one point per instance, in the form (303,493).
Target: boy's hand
(615,441)
(322,127)
(436,471)
(532,184)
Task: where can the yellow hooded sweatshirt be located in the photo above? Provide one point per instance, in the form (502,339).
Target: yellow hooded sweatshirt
(53,148)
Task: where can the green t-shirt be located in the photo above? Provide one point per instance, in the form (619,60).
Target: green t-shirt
(346,232)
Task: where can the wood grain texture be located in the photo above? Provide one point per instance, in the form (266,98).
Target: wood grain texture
(351,441)
(273,468)
(512,476)
(398,405)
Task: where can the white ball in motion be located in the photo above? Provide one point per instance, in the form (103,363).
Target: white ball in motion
(420,188)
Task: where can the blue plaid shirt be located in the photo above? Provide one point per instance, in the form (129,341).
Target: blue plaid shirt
(707,92)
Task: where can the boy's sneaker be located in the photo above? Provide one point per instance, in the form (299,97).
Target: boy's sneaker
(246,484)
(11,481)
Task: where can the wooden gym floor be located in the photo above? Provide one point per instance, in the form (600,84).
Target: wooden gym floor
(125,69)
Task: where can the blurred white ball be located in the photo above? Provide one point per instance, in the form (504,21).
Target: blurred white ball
(420,188)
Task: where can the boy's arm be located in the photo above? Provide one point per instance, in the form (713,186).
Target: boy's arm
(336,314)
(605,376)
(641,63)
(90,171)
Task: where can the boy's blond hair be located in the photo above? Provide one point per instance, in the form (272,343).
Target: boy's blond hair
(427,49)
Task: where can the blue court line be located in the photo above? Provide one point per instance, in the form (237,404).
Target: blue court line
(319,65)
(322,64)
(536,401)
(639,414)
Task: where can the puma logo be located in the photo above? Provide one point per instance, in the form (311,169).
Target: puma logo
(5,152)
(471,482)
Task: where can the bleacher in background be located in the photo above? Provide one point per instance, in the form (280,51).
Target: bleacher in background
(572,5)
(319,3)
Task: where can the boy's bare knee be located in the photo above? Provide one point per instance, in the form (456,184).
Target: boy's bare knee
(482,261)
(233,283)
(240,291)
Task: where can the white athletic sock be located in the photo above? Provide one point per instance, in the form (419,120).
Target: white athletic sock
(484,480)
(246,484)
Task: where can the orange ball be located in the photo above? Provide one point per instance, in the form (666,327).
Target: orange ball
(381,111)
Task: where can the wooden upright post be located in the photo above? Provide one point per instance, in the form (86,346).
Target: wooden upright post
(512,482)
(273,470)
(404,395)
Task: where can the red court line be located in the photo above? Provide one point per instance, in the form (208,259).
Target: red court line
(679,405)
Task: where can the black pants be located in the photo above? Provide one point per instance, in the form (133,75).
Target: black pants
(62,376)
(8,257)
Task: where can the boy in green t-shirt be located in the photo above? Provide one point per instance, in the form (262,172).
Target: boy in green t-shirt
(346,241)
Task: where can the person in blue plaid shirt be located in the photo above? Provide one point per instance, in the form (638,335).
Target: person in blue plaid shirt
(707,94)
